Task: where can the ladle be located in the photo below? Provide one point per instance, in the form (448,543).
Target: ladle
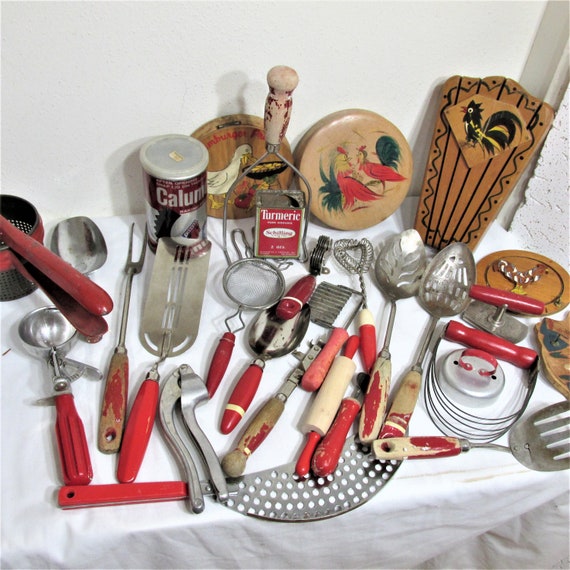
(444,292)
(269,337)
(79,241)
(46,333)
(398,269)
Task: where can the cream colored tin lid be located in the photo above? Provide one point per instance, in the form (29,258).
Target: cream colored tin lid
(174,157)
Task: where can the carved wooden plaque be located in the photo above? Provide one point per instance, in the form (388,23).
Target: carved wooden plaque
(485,134)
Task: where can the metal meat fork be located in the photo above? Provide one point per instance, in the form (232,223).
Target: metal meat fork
(114,407)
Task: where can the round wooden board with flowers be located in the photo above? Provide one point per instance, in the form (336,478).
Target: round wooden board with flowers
(359,167)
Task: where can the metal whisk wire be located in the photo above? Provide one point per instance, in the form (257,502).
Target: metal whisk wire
(358,264)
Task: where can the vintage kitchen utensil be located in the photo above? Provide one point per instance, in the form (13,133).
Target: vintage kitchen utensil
(300,293)
(115,394)
(488,312)
(456,418)
(554,344)
(326,404)
(251,284)
(183,390)
(169,326)
(471,377)
(398,268)
(540,442)
(282,81)
(327,454)
(356,257)
(359,166)
(330,303)
(45,332)
(526,273)
(233,143)
(92,297)
(23,215)
(269,337)
(264,421)
(79,241)
(274,494)
(444,292)
(485,135)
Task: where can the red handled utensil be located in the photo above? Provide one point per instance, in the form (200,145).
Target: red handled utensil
(87,293)
(326,403)
(268,337)
(327,454)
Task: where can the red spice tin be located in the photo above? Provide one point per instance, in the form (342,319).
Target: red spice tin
(175,182)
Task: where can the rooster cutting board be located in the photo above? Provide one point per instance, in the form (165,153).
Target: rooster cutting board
(485,135)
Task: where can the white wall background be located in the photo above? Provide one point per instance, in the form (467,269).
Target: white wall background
(84,84)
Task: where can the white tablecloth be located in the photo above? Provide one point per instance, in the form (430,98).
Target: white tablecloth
(482,509)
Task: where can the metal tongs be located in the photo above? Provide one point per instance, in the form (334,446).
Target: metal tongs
(182,391)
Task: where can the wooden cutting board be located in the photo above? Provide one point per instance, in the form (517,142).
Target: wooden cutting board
(359,167)
(485,135)
(234,142)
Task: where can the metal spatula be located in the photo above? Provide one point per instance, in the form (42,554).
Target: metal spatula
(540,442)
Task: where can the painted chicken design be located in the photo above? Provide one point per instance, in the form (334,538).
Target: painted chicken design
(496,134)
(347,185)
(520,278)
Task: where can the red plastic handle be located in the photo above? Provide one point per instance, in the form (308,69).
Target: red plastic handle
(137,431)
(303,465)
(80,287)
(503,349)
(72,443)
(241,398)
(514,302)
(315,374)
(295,298)
(327,454)
(220,361)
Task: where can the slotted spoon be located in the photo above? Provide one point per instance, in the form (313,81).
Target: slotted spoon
(540,442)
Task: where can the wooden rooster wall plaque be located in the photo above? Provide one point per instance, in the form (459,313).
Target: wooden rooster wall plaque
(485,134)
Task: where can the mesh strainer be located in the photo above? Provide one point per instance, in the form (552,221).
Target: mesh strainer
(23,215)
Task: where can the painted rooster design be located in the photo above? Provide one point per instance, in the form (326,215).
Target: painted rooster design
(520,278)
(345,187)
(496,134)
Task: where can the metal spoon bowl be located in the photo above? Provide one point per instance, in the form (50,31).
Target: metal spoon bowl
(46,329)
(79,242)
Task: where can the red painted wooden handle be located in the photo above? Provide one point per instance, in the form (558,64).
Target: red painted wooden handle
(327,454)
(220,361)
(514,302)
(137,431)
(315,374)
(418,447)
(295,298)
(241,398)
(80,287)
(74,497)
(114,408)
(520,356)
(375,400)
(72,443)
(303,465)
(282,81)
(368,345)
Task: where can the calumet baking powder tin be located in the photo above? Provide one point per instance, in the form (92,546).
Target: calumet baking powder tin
(175,181)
